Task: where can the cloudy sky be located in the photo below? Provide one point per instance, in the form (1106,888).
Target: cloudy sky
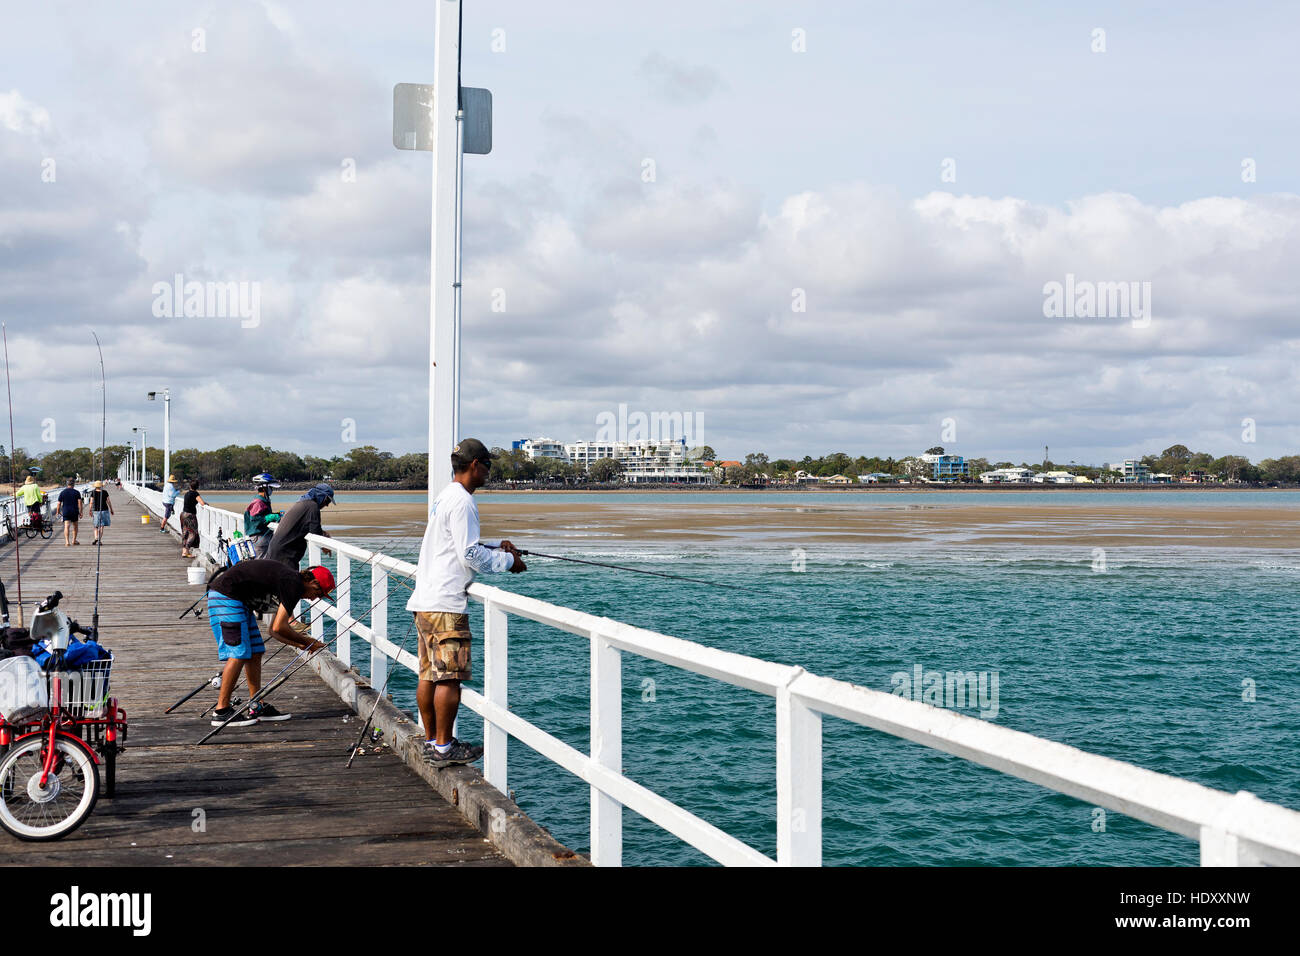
(813,227)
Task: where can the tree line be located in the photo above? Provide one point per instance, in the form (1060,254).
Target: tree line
(366,463)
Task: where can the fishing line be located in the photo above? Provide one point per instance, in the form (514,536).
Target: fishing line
(371,716)
(623,567)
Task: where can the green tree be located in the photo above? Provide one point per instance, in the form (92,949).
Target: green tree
(605,469)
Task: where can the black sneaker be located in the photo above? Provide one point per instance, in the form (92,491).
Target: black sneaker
(458,753)
(219,718)
(263,711)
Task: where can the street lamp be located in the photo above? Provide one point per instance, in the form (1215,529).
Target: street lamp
(144,445)
(167,430)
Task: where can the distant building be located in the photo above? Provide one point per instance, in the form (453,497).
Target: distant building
(1131,471)
(642,461)
(536,448)
(1007,476)
(945,467)
(1056,478)
(836,480)
(876,477)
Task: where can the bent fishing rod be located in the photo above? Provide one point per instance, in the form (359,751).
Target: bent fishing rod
(103,435)
(623,567)
(13,476)
(296,664)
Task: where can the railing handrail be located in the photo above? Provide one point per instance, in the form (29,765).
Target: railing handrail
(1232,828)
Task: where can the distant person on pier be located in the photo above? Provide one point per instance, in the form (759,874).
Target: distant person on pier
(259,514)
(31,495)
(289,543)
(102,508)
(70,509)
(239,642)
(168,499)
(190,520)
(449,556)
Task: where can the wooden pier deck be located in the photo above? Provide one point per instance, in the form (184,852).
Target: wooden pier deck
(271,794)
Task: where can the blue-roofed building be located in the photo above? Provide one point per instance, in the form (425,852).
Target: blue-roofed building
(946,467)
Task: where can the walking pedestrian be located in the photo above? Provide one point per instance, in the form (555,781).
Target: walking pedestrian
(449,556)
(102,508)
(168,500)
(70,509)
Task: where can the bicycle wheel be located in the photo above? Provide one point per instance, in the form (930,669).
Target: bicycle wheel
(30,530)
(31,812)
(47,529)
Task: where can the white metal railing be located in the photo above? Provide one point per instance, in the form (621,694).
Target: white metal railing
(211,520)
(1232,829)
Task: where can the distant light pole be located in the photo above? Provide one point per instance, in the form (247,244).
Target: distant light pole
(144,448)
(167,431)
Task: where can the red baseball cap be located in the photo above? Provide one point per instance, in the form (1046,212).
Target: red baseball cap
(323,577)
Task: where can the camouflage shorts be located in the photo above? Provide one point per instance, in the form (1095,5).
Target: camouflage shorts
(444,645)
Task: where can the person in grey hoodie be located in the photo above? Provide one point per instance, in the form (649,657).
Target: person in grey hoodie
(289,543)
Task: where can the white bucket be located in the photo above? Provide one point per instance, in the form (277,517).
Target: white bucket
(196,574)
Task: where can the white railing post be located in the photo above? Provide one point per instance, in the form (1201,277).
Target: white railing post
(343,601)
(798,780)
(1218,847)
(318,623)
(606,749)
(379,625)
(496,657)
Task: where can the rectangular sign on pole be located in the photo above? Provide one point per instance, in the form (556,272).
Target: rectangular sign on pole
(413,117)
(477,131)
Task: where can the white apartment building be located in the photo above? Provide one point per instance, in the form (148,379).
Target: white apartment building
(642,461)
(536,448)
(1007,476)
(1055,478)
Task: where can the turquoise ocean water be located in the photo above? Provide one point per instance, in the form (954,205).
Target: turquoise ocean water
(1152,661)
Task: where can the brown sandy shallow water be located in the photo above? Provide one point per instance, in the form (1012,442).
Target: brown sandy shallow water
(1274,523)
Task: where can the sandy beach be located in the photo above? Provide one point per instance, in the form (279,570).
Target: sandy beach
(1269,523)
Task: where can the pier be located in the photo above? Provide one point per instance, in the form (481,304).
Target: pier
(274,793)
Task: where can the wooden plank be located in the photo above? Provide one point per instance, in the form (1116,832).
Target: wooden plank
(276,792)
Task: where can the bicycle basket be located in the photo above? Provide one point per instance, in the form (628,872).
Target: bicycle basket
(85,689)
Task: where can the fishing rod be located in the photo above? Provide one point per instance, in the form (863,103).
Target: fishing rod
(215,679)
(380,696)
(13,475)
(271,685)
(103,436)
(623,567)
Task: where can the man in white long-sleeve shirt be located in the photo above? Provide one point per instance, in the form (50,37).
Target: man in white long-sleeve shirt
(449,557)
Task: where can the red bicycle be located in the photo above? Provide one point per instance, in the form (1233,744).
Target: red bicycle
(57,741)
